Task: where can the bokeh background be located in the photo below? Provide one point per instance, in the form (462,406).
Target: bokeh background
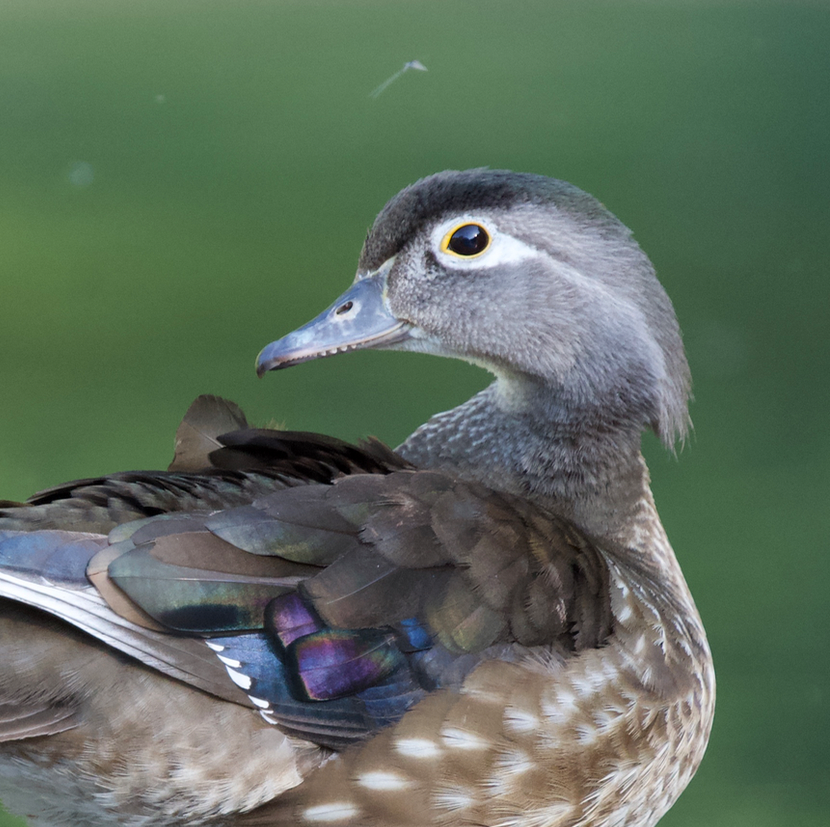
(182,182)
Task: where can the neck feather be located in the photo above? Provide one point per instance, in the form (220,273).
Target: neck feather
(518,438)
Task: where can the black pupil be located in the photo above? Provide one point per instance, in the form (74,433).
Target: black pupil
(469,240)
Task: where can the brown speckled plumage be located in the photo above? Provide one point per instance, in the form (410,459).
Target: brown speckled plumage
(609,737)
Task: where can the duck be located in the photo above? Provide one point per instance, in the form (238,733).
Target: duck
(484,626)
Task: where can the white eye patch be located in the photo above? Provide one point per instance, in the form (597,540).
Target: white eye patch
(502,249)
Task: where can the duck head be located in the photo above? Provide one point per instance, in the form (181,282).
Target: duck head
(527,276)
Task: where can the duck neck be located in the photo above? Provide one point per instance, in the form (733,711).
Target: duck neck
(520,438)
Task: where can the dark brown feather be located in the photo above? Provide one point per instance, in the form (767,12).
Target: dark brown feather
(214,468)
(206,419)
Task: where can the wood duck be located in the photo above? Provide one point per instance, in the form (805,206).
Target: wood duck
(487,626)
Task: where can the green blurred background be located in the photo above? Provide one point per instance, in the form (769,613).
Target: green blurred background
(182,182)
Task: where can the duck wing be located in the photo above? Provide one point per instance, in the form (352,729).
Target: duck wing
(337,588)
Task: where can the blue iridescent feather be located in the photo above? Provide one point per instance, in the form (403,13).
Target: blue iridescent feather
(334,723)
(289,617)
(338,662)
(60,557)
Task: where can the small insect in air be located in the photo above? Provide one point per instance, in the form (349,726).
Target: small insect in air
(410,64)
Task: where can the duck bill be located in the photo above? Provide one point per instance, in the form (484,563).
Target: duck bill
(359,319)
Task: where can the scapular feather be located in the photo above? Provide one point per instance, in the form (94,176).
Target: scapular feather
(257,532)
(206,419)
(148,528)
(204,551)
(460,620)
(306,456)
(363,589)
(194,600)
(97,572)
(312,506)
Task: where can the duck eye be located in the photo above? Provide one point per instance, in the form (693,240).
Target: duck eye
(467,240)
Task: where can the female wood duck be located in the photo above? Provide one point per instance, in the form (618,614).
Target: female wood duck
(486,627)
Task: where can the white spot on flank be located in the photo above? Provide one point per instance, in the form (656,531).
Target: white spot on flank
(240,679)
(605,719)
(514,762)
(518,720)
(554,813)
(327,813)
(453,799)
(268,718)
(382,781)
(233,662)
(507,769)
(560,706)
(417,748)
(217,647)
(565,697)
(586,733)
(456,738)
(259,702)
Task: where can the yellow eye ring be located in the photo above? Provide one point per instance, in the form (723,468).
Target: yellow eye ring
(466,241)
